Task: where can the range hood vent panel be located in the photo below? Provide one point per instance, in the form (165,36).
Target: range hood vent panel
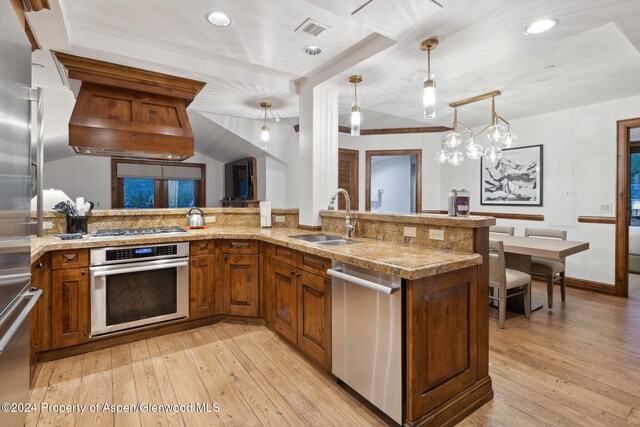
(127,112)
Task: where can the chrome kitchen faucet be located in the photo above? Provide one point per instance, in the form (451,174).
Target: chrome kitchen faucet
(349,227)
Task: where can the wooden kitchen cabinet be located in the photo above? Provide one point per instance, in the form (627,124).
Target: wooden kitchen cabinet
(442,333)
(282,300)
(202,286)
(298,301)
(40,333)
(314,317)
(69,307)
(240,284)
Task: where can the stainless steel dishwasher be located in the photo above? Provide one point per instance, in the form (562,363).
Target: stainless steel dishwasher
(366,321)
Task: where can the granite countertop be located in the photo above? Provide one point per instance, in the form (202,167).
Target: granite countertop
(404,260)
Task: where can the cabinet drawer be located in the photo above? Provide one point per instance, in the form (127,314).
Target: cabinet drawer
(202,247)
(71,258)
(314,264)
(285,255)
(239,246)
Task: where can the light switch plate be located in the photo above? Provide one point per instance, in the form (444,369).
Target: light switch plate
(47,225)
(436,234)
(605,208)
(409,232)
(211,218)
(279,218)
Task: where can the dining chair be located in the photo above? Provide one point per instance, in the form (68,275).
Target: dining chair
(551,269)
(502,279)
(501,229)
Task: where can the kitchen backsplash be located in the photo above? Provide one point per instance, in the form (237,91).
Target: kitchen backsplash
(139,218)
(458,232)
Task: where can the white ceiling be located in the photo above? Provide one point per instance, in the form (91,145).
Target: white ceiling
(482,48)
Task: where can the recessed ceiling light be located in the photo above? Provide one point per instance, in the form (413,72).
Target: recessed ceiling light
(277,119)
(218,19)
(312,50)
(541,26)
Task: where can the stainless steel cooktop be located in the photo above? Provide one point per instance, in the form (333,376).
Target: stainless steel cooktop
(138,231)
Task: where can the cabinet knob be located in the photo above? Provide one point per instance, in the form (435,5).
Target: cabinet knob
(292,272)
(193,261)
(39,265)
(297,274)
(224,257)
(83,272)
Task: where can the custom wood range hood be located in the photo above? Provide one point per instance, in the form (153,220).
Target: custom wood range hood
(128,112)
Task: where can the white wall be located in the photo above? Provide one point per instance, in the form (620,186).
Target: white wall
(392,175)
(429,143)
(90,177)
(579,175)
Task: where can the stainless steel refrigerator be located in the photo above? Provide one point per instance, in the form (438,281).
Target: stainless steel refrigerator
(16,299)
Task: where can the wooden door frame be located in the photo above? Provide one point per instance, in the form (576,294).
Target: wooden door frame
(356,154)
(622,205)
(417,153)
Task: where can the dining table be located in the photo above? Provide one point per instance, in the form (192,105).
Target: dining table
(518,251)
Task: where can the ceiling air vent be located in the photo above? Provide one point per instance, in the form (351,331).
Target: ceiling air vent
(309,26)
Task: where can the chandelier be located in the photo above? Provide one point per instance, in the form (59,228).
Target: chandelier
(498,131)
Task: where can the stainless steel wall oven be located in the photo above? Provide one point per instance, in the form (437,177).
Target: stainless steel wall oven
(134,286)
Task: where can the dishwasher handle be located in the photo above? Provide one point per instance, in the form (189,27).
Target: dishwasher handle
(363,282)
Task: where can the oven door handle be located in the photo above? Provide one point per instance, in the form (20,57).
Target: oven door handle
(107,271)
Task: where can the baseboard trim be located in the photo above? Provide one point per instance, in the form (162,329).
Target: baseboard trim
(590,285)
(458,408)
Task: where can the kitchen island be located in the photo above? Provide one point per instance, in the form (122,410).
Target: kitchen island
(232,276)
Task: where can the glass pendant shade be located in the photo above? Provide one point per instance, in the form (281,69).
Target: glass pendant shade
(429,98)
(442,156)
(456,158)
(493,154)
(474,149)
(355,120)
(497,133)
(453,140)
(264,136)
(510,140)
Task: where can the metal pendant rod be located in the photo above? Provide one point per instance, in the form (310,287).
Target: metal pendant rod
(475,99)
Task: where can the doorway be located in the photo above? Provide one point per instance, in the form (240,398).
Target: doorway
(348,177)
(627,261)
(394,181)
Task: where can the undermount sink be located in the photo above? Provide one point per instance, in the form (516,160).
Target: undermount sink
(337,242)
(324,239)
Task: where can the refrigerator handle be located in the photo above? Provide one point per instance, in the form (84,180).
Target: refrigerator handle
(8,336)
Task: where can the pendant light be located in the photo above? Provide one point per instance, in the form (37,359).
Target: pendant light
(264,133)
(355,107)
(498,130)
(429,86)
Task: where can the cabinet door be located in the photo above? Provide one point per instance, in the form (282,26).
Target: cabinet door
(314,317)
(240,285)
(283,300)
(70,307)
(201,286)
(442,332)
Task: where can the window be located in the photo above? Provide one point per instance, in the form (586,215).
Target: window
(148,185)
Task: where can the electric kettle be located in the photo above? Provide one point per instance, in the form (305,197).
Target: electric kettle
(195,219)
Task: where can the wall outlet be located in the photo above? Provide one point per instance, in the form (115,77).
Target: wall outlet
(210,218)
(436,234)
(410,232)
(279,218)
(605,208)
(47,225)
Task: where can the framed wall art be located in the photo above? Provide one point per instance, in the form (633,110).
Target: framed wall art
(514,180)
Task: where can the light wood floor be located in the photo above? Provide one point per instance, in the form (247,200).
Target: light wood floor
(576,365)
